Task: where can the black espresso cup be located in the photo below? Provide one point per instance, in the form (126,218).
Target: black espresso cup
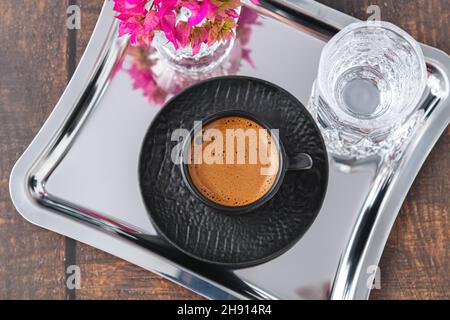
(301,161)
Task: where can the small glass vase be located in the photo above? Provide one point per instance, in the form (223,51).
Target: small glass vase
(184,60)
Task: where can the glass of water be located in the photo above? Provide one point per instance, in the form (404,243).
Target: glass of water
(372,76)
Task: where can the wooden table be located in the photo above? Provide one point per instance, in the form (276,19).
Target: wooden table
(37,57)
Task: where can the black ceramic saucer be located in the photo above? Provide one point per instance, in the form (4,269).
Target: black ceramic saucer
(218,237)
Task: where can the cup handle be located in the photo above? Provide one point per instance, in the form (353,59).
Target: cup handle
(301,161)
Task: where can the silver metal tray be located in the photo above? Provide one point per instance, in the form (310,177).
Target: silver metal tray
(79,175)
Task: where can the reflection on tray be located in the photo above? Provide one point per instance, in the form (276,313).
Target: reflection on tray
(158,81)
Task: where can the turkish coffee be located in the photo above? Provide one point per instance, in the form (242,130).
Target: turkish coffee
(234,161)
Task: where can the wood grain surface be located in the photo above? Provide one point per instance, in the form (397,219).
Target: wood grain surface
(37,56)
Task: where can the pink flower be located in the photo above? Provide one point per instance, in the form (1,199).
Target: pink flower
(210,21)
(130,6)
(143,78)
(183,32)
(151,21)
(132,15)
(199,11)
(198,36)
(169,28)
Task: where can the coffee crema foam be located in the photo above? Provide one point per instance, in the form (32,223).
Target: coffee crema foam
(234,184)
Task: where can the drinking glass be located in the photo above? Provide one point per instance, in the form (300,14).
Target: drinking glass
(372,76)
